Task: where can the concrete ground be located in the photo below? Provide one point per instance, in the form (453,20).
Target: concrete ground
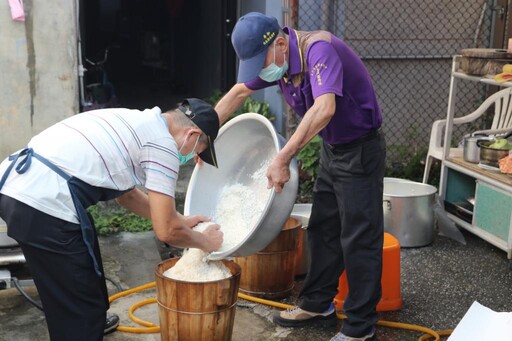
(439,284)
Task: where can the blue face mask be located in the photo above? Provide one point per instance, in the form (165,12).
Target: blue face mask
(273,72)
(186,158)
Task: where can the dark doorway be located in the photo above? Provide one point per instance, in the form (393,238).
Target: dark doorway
(162,50)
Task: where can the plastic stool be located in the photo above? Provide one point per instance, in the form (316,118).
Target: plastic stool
(391,297)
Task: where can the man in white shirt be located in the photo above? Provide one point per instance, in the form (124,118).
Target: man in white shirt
(100,155)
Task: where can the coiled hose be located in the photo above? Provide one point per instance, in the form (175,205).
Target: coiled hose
(149,327)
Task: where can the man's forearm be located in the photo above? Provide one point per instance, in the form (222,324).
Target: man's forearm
(316,118)
(137,202)
(231,101)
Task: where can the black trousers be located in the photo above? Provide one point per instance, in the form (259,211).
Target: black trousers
(345,232)
(74,297)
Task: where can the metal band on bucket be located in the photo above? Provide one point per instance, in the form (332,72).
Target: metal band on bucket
(196,313)
(273,252)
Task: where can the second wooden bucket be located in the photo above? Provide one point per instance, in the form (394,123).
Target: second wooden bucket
(270,272)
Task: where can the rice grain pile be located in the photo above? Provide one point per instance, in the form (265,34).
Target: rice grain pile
(239,209)
(193,267)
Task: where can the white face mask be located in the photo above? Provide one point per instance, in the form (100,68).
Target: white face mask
(273,72)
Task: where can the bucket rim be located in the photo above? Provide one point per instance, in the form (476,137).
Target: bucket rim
(237,268)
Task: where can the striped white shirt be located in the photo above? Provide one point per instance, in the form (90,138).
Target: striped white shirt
(109,148)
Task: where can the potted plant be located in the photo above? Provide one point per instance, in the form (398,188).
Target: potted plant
(309,160)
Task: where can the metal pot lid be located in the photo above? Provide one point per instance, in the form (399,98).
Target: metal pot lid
(475,138)
(408,189)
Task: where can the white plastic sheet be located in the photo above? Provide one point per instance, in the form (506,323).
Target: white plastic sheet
(481,323)
(446,227)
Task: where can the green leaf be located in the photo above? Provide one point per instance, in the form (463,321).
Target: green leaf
(113,221)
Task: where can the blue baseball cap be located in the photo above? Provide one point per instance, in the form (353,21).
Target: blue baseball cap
(251,37)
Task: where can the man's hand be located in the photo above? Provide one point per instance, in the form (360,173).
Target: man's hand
(198,160)
(193,220)
(316,118)
(278,173)
(214,238)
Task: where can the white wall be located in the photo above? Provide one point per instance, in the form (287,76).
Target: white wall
(38,77)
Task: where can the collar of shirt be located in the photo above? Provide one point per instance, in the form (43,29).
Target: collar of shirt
(295,59)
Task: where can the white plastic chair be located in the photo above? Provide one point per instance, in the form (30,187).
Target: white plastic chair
(501,122)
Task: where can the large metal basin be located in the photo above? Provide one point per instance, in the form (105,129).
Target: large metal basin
(242,146)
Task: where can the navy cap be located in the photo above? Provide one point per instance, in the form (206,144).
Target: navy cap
(206,118)
(251,37)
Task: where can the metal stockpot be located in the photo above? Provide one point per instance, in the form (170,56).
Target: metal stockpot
(471,151)
(408,212)
(242,146)
(490,156)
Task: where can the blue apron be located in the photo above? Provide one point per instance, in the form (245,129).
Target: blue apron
(83,195)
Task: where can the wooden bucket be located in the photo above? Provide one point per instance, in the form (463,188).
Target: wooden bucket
(270,272)
(196,310)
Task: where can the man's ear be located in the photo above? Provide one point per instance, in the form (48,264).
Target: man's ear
(193,133)
(197,131)
(282,44)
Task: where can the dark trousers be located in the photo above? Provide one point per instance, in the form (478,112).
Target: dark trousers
(345,232)
(74,297)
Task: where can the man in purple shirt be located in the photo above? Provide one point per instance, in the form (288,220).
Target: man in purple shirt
(328,86)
